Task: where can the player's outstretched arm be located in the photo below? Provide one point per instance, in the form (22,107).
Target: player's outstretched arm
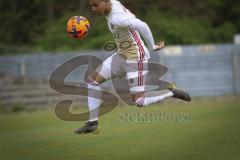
(144,30)
(146,33)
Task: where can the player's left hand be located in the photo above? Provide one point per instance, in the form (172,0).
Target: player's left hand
(159,46)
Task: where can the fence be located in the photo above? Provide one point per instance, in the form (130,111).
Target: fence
(202,70)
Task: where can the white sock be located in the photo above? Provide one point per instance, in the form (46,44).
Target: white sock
(94,100)
(145,101)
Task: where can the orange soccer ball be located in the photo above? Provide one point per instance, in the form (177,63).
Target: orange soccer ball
(78,27)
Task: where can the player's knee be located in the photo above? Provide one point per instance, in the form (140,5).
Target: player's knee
(96,77)
(92,82)
(92,76)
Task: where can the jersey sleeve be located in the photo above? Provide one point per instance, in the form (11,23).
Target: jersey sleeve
(134,23)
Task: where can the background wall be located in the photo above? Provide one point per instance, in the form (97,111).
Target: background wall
(202,70)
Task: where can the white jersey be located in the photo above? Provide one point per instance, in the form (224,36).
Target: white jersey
(126,30)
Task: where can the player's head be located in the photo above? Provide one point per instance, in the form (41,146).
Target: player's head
(101,7)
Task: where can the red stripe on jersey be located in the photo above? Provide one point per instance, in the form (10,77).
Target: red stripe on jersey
(140,45)
(141,49)
(140,75)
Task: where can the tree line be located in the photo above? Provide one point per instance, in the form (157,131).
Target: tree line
(40,25)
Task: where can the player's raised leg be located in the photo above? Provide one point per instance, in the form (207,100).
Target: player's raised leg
(146,99)
(137,74)
(143,99)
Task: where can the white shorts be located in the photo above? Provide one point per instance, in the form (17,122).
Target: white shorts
(134,72)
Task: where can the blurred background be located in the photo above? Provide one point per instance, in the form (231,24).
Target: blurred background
(202,41)
(202,54)
(34,25)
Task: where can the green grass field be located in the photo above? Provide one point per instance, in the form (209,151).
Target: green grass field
(213,132)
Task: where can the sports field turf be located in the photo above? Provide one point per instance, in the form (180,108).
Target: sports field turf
(212,131)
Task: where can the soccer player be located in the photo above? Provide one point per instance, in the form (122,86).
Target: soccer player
(131,58)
